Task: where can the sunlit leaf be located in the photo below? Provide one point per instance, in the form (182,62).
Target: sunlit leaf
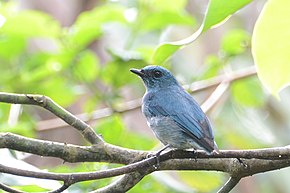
(145,52)
(271,46)
(165,50)
(217,11)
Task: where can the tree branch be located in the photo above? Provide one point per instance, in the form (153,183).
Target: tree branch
(260,160)
(68,152)
(45,102)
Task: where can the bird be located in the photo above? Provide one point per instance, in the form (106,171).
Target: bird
(175,117)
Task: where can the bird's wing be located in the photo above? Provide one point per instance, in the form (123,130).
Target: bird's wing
(186,113)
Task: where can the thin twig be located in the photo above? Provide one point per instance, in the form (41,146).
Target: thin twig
(136,103)
(8,189)
(229,185)
(215,96)
(47,103)
(61,189)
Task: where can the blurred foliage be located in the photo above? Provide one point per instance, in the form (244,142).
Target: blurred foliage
(87,65)
(202,181)
(114,130)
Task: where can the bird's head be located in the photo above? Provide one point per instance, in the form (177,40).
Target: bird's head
(155,77)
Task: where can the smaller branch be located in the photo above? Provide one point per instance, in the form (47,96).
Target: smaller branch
(61,189)
(124,183)
(136,103)
(47,103)
(8,189)
(228,77)
(77,177)
(215,96)
(229,185)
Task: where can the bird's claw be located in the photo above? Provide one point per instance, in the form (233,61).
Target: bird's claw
(194,152)
(150,155)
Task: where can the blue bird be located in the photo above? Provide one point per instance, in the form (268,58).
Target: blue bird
(174,116)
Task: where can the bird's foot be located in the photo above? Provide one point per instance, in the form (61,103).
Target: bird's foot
(150,155)
(194,152)
(157,156)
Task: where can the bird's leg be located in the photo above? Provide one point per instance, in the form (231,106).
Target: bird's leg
(160,151)
(158,154)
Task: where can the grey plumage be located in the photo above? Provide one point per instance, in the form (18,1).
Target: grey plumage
(173,115)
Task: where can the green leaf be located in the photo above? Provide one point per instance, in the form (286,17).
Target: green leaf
(248,92)
(217,11)
(114,131)
(213,66)
(235,42)
(87,66)
(116,73)
(11,46)
(164,50)
(271,46)
(220,10)
(31,24)
(88,25)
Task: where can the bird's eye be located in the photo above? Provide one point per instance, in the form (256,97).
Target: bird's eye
(157,74)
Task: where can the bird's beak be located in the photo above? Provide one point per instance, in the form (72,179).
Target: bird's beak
(137,71)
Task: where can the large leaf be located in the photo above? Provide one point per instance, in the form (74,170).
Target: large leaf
(217,11)
(220,10)
(271,46)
